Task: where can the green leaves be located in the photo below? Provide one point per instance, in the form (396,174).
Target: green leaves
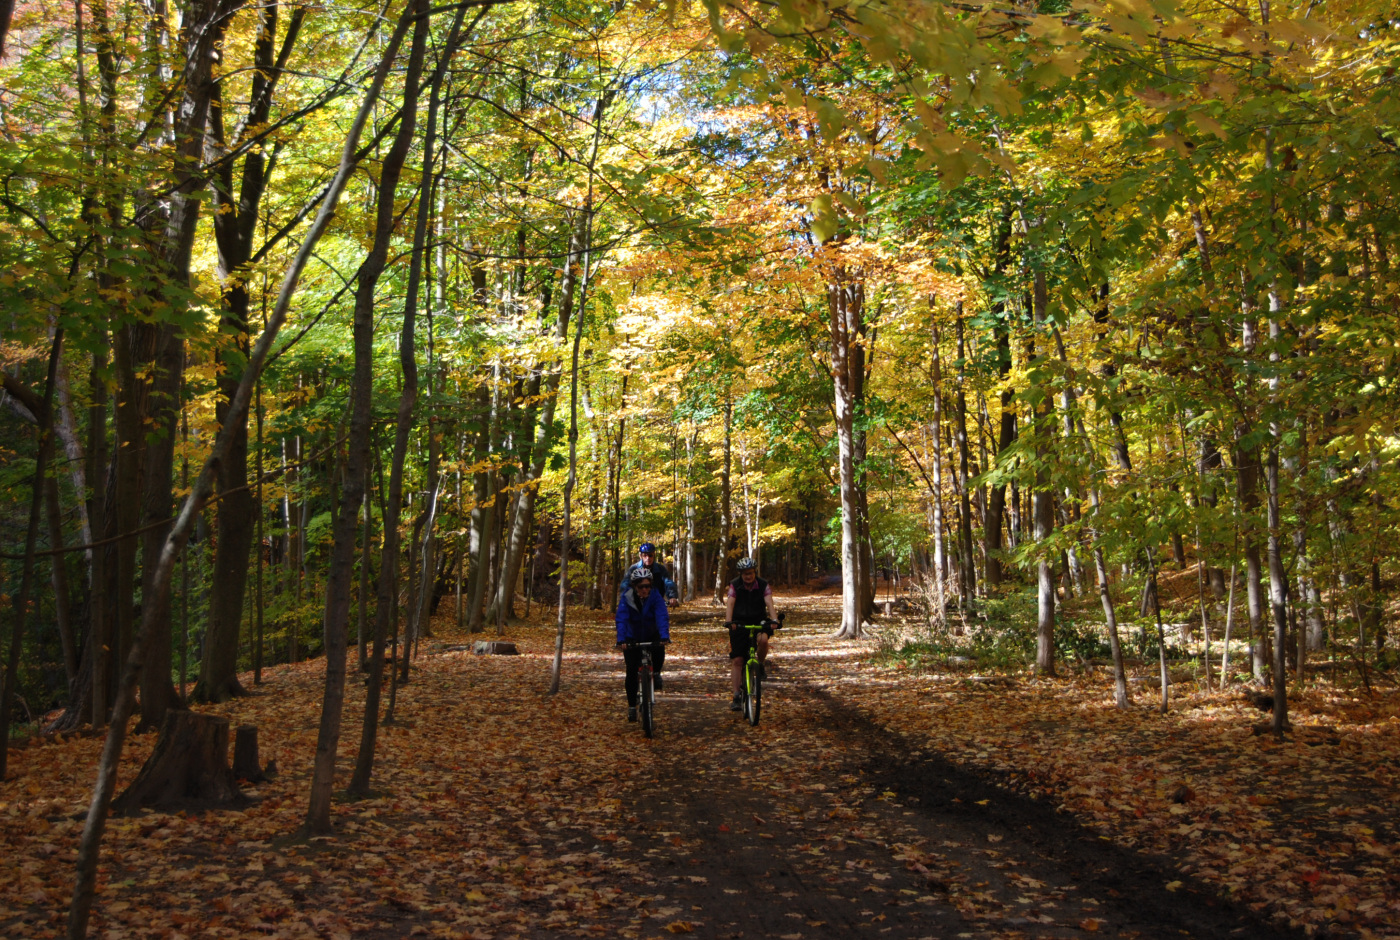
(824,222)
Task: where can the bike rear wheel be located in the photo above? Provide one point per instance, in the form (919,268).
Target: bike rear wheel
(645,700)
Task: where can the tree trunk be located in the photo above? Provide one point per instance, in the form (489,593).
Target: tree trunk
(692,589)
(1247,488)
(90,843)
(1278,577)
(157,690)
(187,770)
(726,521)
(44,432)
(557,667)
(1120,677)
(967,579)
(1163,675)
(839,297)
(418,617)
(100,607)
(62,599)
(939,561)
(491,512)
(362,622)
(1044,506)
(386,603)
(522,523)
(246,765)
(483,499)
(218,673)
(996,500)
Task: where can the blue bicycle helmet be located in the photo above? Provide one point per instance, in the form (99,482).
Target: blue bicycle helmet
(646,548)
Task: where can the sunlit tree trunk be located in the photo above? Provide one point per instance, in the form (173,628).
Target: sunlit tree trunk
(691,585)
(579,254)
(967,579)
(1044,505)
(841,296)
(723,546)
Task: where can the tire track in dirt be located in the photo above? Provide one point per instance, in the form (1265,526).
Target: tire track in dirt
(820,824)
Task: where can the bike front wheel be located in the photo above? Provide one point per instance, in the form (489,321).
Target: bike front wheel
(646,700)
(753,702)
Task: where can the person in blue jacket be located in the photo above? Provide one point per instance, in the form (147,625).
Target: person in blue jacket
(641,618)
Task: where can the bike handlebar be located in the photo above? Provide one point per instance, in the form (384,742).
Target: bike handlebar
(765,622)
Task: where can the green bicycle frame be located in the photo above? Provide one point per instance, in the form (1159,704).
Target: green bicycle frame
(753,658)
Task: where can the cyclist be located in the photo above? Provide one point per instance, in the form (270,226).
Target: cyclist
(748,601)
(641,618)
(646,558)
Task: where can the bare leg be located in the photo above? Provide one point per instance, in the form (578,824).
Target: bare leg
(736,673)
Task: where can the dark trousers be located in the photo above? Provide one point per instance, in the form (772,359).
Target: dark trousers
(633,658)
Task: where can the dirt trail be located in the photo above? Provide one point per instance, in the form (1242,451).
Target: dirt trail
(818,823)
(503,812)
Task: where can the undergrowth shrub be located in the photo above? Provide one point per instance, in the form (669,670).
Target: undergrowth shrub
(1000,634)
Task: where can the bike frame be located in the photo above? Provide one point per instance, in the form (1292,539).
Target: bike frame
(753,664)
(645,701)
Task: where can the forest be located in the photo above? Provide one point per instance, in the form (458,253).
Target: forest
(1048,349)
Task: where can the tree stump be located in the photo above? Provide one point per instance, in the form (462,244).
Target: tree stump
(188,768)
(495,648)
(246,765)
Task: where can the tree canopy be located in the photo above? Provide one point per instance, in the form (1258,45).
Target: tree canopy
(317,317)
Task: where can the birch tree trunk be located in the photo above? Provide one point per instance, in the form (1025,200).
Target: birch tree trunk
(1044,505)
(722,546)
(967,579)
(939,552)
(691,583)
(839,297)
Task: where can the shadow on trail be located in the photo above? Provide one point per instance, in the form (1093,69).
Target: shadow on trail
(820,823)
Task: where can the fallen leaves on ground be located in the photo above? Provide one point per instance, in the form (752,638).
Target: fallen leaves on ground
(1304,829)
(500,811)
(494,804)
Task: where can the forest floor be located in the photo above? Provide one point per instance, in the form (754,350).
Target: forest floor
(875,800)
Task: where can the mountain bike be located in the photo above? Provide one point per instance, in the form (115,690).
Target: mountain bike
(646,691)
(753,671)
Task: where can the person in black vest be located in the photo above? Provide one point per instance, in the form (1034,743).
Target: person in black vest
(748,601)
(661,577)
